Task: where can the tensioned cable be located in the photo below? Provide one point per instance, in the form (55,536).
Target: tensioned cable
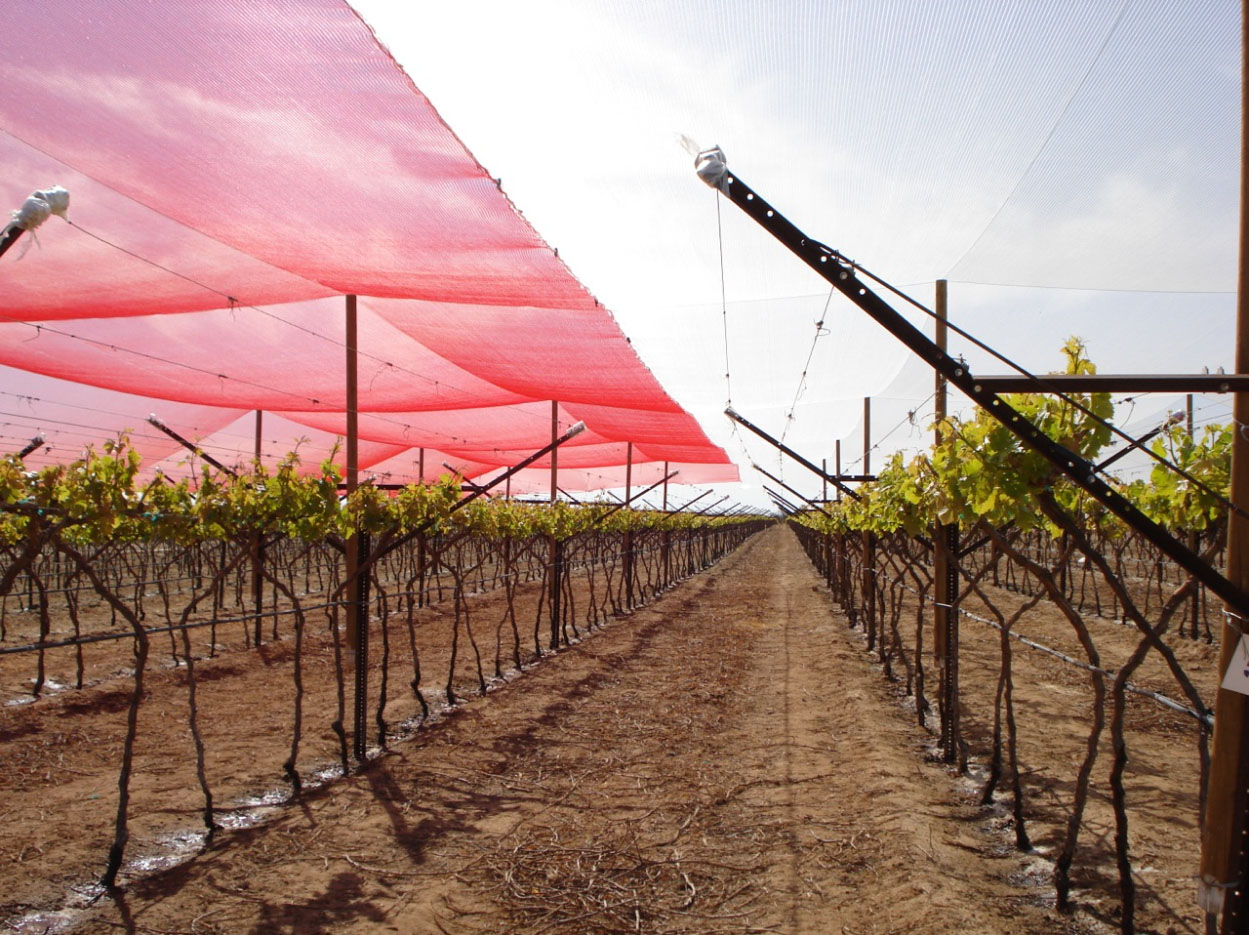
(54,402)
(1165,700)
(39,420)
(820,331)
(724,319)
(724,308)
(234,303)
(66,422)
(908,418)
(1028,285)
(39,326)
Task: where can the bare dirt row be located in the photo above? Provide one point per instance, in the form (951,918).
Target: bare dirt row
(721,761)
(726,759)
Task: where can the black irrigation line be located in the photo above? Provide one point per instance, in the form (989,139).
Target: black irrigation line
(102,637)
(128,583)
(1202,716)
(130,634)
(134,583)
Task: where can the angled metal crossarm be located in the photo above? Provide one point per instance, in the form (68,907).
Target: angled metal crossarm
(1117,383)
(704,510)
(190,446)
(9,236)
(687,505)
(1173,419)
(841,273)
(30,447)
(785,506)
(484,489)
(34,211)
(966,550)
(785,449)
(777,480)
(624,503)
(466,485)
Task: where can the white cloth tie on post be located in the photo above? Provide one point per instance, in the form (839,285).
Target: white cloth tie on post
(40,206)
(57,199)
(712,168)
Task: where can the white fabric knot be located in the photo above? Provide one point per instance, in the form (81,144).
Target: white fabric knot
(33,212)
(57,199)
(711,167)
(40,206)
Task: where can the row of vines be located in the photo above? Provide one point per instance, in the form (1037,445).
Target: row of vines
(125,594)
(1135,628)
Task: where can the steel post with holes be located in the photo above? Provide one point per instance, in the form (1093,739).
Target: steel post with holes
(1193,539)
(945,573)
(868,571)
(1224,868)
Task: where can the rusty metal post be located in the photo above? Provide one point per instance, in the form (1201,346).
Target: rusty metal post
(357,551)
(839,559)
(868,572)
(1195,601)
(258,555)
(837,465)
(556,547)
(665,538)
(1222,885)
(554,451)
(627,543)
(945,573)
(828,537)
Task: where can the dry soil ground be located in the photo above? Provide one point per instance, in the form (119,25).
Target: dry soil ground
(726,759)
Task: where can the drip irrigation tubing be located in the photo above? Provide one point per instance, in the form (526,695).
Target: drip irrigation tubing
(1204,717)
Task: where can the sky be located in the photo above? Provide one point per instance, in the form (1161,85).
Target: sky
(1070,167)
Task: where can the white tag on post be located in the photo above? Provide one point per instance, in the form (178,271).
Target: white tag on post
(1237,677)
